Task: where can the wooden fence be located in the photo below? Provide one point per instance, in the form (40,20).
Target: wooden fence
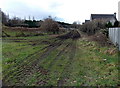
(114,35)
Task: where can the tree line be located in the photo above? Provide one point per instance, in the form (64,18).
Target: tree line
(48,24)
(16,21)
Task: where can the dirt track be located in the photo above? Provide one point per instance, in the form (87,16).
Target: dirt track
(64,60)
(27,70)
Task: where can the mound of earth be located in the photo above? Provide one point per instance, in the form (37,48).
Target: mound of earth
(74,34)
(101,39)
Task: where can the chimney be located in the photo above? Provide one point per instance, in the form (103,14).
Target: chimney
(115,14)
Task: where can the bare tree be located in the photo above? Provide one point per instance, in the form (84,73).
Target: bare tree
(15,21)
(5,18)
(50,25)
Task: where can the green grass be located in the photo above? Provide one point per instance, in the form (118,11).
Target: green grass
(96,70)
(79,64)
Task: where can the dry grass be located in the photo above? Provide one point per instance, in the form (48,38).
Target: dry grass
(101,39)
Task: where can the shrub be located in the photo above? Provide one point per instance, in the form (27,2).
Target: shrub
(93,26)
(49,25)
(109,24)
(116,24)
(105,32)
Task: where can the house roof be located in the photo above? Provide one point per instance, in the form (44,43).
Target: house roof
(87,21)
(103,16)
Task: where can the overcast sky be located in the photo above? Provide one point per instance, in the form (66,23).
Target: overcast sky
(64,10)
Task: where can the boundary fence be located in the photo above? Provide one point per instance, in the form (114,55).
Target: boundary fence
(114,35)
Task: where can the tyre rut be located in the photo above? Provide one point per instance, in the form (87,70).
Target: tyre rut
(66,71)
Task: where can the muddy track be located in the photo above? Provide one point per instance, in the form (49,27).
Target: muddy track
(31,42)
(67,70)
(59,55)
(34,67)
(39,82)
(49,47)
(27,70)
(42,41)
(33,54)
(71,53)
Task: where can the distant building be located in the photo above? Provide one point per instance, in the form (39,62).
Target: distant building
(87,21)
(108,17)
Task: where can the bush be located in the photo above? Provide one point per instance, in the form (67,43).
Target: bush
(93,26)
(105,32)
(49,25)
(116,24)
(109,24)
